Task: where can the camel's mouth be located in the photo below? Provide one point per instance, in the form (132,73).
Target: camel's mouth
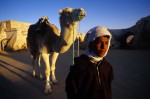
(82,14)
(81,17)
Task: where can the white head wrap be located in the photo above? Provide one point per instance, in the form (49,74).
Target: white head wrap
(92,35)
(97,32)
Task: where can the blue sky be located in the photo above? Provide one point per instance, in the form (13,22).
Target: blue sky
(114,14)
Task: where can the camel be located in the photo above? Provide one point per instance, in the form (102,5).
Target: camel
(44,39)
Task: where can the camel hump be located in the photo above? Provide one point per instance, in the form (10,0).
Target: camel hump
(44,22)
(55,29)
(43,19)
(41,27)
(37,26)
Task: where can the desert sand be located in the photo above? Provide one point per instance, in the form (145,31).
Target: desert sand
(131,69)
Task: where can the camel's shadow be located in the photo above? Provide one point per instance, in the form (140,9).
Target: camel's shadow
(18,66)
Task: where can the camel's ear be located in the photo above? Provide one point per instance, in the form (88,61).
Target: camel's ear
(68,10)
(60,12)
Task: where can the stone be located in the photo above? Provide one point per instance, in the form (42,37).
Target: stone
(13,35)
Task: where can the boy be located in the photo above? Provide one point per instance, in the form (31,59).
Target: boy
(91,75)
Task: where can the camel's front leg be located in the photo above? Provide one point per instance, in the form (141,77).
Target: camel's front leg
(45,57)
(53,59)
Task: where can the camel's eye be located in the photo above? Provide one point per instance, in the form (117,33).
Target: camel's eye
(80,9)
(69,12)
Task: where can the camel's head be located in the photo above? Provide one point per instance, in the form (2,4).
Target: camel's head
(71,16)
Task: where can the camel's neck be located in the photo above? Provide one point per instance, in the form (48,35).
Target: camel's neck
(66,38)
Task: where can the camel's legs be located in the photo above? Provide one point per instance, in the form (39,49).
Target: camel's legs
(54,57)
(33,64)
(45,57)
(37,62)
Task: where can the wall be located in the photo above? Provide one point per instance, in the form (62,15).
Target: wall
(15,30)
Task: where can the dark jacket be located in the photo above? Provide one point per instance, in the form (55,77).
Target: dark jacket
(87,80)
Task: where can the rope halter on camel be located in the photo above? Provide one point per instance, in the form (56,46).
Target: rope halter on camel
(73,47)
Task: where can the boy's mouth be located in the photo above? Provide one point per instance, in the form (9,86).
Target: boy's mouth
(103,52)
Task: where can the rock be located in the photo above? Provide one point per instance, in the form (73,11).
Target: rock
(14,34)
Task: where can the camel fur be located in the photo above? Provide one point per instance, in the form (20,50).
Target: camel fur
(44,39)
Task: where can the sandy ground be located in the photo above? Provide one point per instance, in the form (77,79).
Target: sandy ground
(131,68)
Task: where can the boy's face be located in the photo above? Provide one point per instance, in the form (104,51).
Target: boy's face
(100,45)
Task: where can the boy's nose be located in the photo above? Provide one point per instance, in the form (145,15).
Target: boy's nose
(102,46)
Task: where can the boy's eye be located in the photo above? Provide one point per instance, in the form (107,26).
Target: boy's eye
(106,42)
(101,42)
(98,42)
